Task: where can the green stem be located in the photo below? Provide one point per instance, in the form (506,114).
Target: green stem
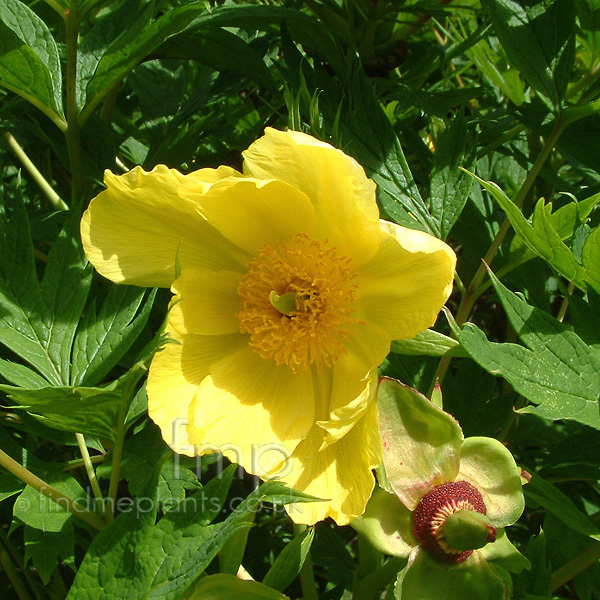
(79,462)
(72,17)
(562,311)
(518,201)
(25,475)
(477,287)
(110,101)
(51,114)
(307,576)
(46,188)
(56,6)
(20,561)
(115,473)
(579,564)
(91,473)
(13,575)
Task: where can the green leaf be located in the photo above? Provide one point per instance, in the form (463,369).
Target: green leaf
(88,410)
(103,339)
(553,500)
(371,139)
(20,375)
(590,257)
(38,322)
(565,221)
(557,370)
(214,536)
(29,60)
(451,187)
(493,65)
(40,512)
(99,38)
(229,587)
(47,548)
(428,343)
(133,558)
(232,552)
(540,236)
(534,43)
(20,326)
(136,43)
(64,290)
(288,563)
(118,562)
(221,50)
(421,443)
(141,451)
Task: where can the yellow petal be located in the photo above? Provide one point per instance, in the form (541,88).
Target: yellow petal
(205,178)
(252,410)
(206,302)
(404,286)
(251,213)
(353,380)
(136,230)
(175,374)
(343,196)
(340,473)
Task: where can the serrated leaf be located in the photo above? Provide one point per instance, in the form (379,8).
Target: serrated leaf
(89,410)
(46,548)
(214,536)
(565,221)
(451,187)
(103,339)
(38,322)
(534,43)
(557,370)
(540,236)
(288,563)
(29,60)
(135,558)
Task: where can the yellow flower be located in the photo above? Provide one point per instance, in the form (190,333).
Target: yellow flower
(289,294)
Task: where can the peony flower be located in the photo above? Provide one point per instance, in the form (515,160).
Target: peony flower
(287,293)
(445,504)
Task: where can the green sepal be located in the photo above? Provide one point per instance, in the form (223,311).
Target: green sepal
(421,443)
(425,578)
(503,553)
(491,468)
(387,524)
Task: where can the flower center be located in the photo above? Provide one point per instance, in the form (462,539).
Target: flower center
(297,301)
(433,511)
